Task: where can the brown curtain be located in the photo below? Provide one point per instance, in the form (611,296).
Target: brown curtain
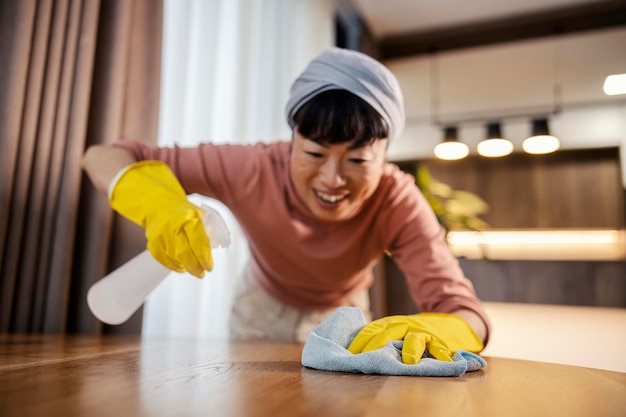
(73,73)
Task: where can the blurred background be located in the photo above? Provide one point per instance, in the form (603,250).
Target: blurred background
(80,72)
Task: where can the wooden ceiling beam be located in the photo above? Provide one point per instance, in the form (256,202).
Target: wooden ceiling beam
(592,16)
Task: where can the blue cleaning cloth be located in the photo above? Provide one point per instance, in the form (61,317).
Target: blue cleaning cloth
(326,349)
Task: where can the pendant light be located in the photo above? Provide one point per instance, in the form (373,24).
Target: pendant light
(451,149)
(541,141)
(494,145)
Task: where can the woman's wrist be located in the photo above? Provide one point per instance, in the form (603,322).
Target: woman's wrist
(475,322)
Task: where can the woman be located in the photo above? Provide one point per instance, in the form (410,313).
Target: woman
(318,211)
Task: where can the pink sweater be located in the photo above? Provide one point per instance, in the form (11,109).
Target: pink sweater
(311,264)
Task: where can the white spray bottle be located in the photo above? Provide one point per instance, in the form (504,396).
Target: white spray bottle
(114,298)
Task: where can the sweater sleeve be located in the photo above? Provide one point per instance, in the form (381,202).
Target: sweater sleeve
(419,249)
(223,172)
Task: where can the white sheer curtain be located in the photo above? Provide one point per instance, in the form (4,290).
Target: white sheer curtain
(227,69)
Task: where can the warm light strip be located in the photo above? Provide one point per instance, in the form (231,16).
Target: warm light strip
(532,237)
(575,245)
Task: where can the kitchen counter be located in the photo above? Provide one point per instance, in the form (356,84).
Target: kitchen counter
(593,337)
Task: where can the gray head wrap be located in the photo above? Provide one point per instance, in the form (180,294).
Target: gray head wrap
(337,68)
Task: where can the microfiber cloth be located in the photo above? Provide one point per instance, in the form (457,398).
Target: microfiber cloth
(326,349)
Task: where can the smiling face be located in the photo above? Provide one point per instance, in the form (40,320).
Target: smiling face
(334,180)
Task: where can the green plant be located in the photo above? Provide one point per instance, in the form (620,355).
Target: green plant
(455,210)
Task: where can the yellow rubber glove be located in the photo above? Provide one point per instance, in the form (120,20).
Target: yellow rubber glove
(149,194)
(438,333)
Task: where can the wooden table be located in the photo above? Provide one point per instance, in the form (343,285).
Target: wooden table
(125,376)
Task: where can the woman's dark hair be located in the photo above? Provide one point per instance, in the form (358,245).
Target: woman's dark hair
(338,116)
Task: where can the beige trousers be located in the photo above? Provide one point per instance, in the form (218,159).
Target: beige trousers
(256,315)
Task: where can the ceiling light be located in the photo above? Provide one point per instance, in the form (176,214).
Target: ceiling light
(451,148)
(494,145)
(541,141)
(615,84)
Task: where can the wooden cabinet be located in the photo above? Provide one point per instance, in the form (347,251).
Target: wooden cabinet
(584,283)
(566,189)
